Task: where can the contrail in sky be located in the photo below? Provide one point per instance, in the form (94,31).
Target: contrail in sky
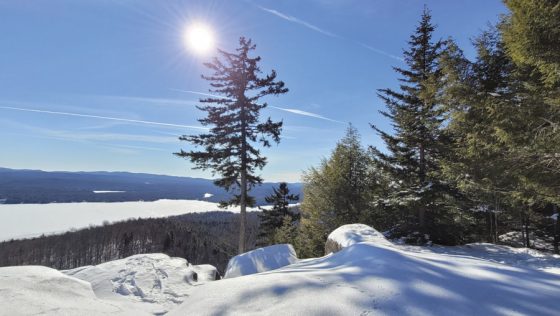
(199,93)
(102,117)
(308,25)
(305,113)
(294,111)
(293,19)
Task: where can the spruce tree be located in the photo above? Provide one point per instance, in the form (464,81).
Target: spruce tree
(273,219)
(337,192)
(417,144)
(229,148)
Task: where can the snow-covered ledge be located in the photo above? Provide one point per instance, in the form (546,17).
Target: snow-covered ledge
(348,235)
(261,260)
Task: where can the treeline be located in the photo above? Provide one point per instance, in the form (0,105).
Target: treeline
(201,238)
(475,147)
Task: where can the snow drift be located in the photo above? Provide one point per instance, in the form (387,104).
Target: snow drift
(372,277)
(158,281)
(31,290)
(261,260)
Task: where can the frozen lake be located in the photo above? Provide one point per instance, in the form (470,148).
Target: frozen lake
(30,220)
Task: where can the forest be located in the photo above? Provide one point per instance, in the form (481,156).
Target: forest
(202,238)
(474,152)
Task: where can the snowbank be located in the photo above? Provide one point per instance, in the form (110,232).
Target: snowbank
(348,235)
(261,260)
(369,277)
(155,280)
(31,290)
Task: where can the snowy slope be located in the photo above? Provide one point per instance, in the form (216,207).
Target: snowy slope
(32,290)
(155,282)
(373,277)
(261,260)
(518,257)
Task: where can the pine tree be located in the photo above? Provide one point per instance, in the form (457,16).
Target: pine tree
(417,145)
(532,36)
(273,219)
(229,148)
(505,139)
(287,233)
(337,192)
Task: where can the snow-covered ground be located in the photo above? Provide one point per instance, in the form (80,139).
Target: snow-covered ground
(517,257)
(36,290)
(155,282)
(30,220)
(368,276)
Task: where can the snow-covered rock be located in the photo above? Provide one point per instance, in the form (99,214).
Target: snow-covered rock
(261,260)
(368,277)
(348,235)
(206,273)
(156,281)
(37,290)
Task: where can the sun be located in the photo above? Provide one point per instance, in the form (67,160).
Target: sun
(199,38)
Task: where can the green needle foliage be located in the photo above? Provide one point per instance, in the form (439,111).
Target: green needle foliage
(229,148)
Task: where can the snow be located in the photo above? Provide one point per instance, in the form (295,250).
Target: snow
(348,235)
(208,195)
(31,220)
(31,290)
(156,282)
(517,257)
(371,277)
(261,260)
(517,239)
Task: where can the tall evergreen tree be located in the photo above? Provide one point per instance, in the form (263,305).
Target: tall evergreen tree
(337,192)
(233,117)
(417,145)
(272,219)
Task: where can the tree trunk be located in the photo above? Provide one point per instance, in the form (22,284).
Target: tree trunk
(489,225)
(243,212)
(422,173)
(496,227)
(527,240)
(243,197)
(556,230)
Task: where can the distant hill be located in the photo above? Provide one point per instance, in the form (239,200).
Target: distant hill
(36,186)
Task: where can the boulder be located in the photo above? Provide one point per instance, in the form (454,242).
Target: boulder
(261,260)
(347,235)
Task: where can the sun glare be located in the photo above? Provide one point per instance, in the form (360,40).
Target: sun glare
(199,38)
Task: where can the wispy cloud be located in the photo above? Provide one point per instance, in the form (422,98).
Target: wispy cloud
(379,51)
(294,111)
(156,101)
(305,113)
(293,19)
(102,117)
(198,93)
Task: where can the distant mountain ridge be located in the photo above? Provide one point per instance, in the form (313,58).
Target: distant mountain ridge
(37,186)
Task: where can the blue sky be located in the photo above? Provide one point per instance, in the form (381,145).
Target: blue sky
(99,84)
